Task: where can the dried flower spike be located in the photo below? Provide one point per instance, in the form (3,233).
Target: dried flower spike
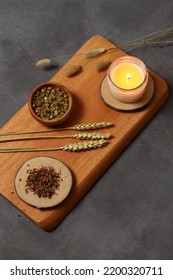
(102,65)
(43,62)
(95,52)
(73,70)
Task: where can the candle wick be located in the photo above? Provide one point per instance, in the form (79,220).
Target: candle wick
(128,76)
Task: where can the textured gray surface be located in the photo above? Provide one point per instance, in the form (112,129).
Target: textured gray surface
(128,212)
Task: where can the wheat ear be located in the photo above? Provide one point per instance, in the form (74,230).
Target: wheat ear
(88,126)
(75,147)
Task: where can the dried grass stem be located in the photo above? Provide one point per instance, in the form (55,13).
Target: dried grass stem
(144,40)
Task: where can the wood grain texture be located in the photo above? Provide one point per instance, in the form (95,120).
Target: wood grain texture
(88,107)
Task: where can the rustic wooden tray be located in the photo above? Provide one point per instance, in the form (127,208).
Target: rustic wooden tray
(88,107)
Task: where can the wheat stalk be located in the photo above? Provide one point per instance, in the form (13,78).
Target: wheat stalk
(89,126)
(81,136)
(75,147)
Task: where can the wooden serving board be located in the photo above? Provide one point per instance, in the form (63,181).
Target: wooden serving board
(88,107)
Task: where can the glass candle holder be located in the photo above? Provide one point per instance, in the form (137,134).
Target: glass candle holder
(127,78)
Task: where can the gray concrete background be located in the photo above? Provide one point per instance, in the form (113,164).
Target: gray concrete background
(128,214)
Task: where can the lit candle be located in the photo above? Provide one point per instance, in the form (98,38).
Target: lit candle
(127,78)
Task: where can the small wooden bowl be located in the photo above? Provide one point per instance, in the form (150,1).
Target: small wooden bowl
(56,120)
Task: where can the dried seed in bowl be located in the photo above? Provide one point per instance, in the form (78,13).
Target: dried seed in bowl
(50,103)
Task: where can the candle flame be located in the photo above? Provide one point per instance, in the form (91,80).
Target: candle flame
(128,77)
